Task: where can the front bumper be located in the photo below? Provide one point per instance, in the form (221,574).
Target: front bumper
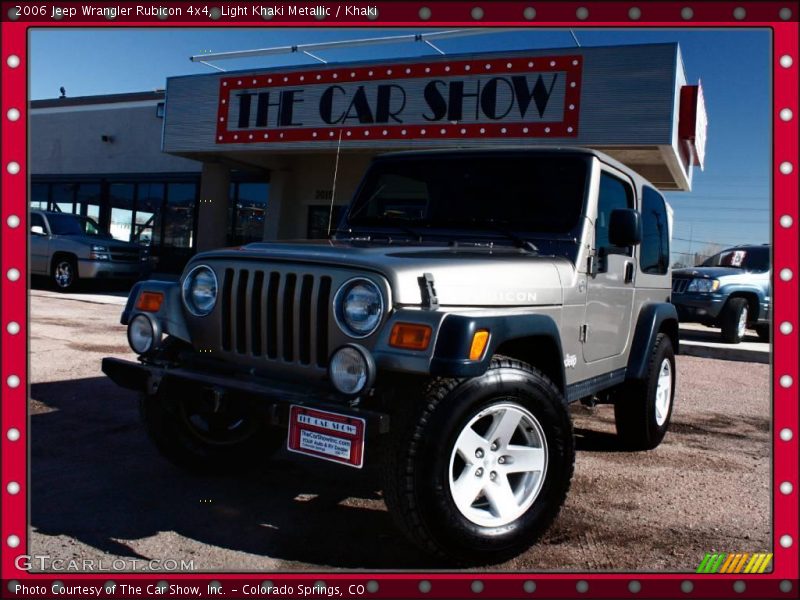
(275,397)
(107,269)
(696,307)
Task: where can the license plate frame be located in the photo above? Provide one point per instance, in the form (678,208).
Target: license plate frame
(327,435)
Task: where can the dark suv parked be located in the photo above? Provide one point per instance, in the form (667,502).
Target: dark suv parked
(730,290)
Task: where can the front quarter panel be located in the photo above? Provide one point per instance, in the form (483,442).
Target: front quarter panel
(170,315)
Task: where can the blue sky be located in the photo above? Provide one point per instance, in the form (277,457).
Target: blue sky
(730,200)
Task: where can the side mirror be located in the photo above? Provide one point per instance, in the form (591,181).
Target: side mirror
(37,230)
(624,227)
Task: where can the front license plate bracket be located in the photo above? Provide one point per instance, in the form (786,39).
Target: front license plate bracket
(327,435)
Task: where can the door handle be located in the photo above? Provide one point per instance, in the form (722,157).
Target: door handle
(628,271)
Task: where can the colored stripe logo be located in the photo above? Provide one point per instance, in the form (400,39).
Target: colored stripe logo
(740,562)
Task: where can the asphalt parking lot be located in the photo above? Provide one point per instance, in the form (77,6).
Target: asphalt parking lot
(100,491)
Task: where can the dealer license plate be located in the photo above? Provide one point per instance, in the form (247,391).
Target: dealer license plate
(327,435)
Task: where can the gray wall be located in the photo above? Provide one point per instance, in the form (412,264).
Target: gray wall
(68,141)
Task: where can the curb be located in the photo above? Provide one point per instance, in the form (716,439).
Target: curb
(688,348)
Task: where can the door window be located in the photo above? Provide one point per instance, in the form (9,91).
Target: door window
(614,194)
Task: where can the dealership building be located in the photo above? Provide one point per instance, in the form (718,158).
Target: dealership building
(231,157)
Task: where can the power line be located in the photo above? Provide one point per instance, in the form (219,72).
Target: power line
(718,242)
(715,209)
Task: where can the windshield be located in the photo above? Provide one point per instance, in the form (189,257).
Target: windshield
(748,259)
(524,193)
(66,224)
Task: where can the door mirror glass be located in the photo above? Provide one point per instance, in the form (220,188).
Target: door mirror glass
(37,230)
(624,227)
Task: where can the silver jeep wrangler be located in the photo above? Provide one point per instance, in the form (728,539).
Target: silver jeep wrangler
(465,299)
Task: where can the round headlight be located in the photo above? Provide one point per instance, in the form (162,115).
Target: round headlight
(200,291)
(142,334)
(351,370)
(358,307)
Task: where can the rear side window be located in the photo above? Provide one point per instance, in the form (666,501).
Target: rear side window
(654,253)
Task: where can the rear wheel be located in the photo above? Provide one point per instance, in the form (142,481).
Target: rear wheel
(644,408)
(733,320)
(208,433)
(482,468)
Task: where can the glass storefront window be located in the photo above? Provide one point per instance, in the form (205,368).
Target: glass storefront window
(135,210)
(121,201)
(149,202)
(88,200)
(179,215)
(251,207)
(64,197)
(318,216)
(39,195)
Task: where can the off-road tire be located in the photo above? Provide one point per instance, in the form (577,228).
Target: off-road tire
(635,405)
(71,264)
(729,320)
(169,431)
(416,484)
(763,332)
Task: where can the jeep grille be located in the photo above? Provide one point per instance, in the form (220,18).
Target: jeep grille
(679,285)
(276,315)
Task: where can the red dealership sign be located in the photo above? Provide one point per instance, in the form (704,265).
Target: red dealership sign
(501,97)
(694,121)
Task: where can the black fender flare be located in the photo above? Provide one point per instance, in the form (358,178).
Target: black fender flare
(653,318)
(738,290)
(451,354)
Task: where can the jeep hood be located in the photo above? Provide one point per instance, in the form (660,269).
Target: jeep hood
(463,276)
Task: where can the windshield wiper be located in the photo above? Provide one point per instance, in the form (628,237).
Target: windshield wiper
(417,235)
(519,242)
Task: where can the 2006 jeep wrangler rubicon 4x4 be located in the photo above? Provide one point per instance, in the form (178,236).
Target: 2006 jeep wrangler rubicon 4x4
(465,299)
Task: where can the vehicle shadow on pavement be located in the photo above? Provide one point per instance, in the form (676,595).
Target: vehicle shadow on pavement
(587,440)
(97,478)
(115,287)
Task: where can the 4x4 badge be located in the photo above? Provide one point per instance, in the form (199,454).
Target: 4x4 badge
(570,361)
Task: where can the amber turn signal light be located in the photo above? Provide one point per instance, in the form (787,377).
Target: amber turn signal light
(150,301)
(479,341)
(410,336)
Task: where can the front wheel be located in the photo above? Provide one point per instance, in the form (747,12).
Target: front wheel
(733,320)
(64,274)
(643,410)
(483,467)
(206,433)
